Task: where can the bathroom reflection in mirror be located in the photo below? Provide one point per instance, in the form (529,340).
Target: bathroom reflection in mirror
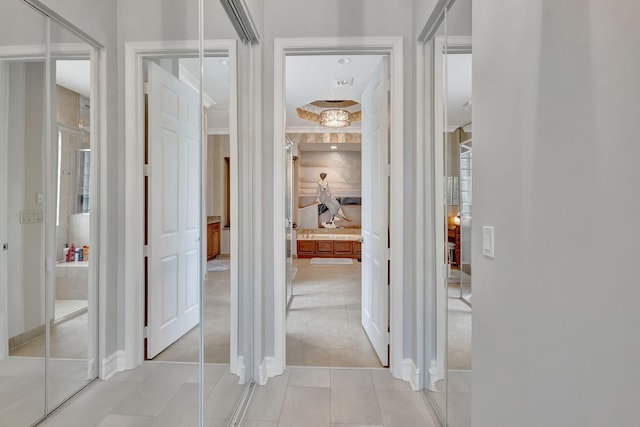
(83,158)
(73,322)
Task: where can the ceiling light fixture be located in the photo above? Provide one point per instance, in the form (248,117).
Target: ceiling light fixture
(335,118)
(344,61)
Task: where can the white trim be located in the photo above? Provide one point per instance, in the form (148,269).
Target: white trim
(4,177)
(218,131)
(134,182)
(241,370)
(392,46)
(420,219)
(266,370)
(412,374)
(439,115)
(97,286)
(112,364)
(433,375)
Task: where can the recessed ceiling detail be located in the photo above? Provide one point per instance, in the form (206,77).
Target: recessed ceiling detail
(331,113)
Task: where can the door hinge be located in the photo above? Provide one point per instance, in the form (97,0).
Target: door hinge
(146,88)
(388,170)
(388,254)
(145,169)
(145,331)
(145,251)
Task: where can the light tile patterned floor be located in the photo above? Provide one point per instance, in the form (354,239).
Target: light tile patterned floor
(165,394)
(333,397)
(155,394)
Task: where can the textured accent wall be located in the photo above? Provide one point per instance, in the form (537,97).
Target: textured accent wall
(343,169)
(326,137)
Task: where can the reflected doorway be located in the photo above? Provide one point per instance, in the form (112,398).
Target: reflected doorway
(216,198)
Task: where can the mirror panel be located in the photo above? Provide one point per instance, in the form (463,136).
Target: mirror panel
(22,257)
(72,320)
(458,157)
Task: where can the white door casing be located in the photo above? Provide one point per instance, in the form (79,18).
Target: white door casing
(393,47)
(174,209)
(375,212)
(4,178)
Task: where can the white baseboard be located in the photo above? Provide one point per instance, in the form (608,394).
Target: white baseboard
(266,370)
(412,374)
(112,364)
(433,375)
(240,370)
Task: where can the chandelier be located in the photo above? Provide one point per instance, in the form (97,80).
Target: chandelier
(335,118)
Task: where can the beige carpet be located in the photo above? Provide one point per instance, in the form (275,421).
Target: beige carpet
(323,320)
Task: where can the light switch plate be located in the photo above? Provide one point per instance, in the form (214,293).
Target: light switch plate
(487,241)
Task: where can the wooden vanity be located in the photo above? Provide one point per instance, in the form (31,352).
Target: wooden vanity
(213,238)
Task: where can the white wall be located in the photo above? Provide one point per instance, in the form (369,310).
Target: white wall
(421,12)
(555,326)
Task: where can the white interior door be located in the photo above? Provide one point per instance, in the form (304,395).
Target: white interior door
(375,212)
(174,209)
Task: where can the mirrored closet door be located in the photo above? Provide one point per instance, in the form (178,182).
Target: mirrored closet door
(48,328)
(449,52)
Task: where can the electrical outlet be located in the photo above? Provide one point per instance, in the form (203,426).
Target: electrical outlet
(39,198)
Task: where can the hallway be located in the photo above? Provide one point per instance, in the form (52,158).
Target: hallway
(323,320)
(165,394)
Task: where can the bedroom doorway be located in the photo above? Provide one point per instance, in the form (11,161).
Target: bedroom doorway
(373,271)
(330,319)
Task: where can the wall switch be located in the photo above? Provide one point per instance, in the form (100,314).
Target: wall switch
(26,217)
(39,198)
(487,241)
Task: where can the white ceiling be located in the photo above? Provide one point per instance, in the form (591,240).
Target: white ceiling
(74,75)
(216,88)
(458,90)
(312,78)
(308,78)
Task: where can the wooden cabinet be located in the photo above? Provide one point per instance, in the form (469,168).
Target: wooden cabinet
(453,238)
(329,248)
(213,240)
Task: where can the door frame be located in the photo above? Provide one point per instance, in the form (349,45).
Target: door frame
(134,273)
(4,144)
(393,47)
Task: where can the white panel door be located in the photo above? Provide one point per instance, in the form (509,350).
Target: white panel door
(375,211)
(173,219)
